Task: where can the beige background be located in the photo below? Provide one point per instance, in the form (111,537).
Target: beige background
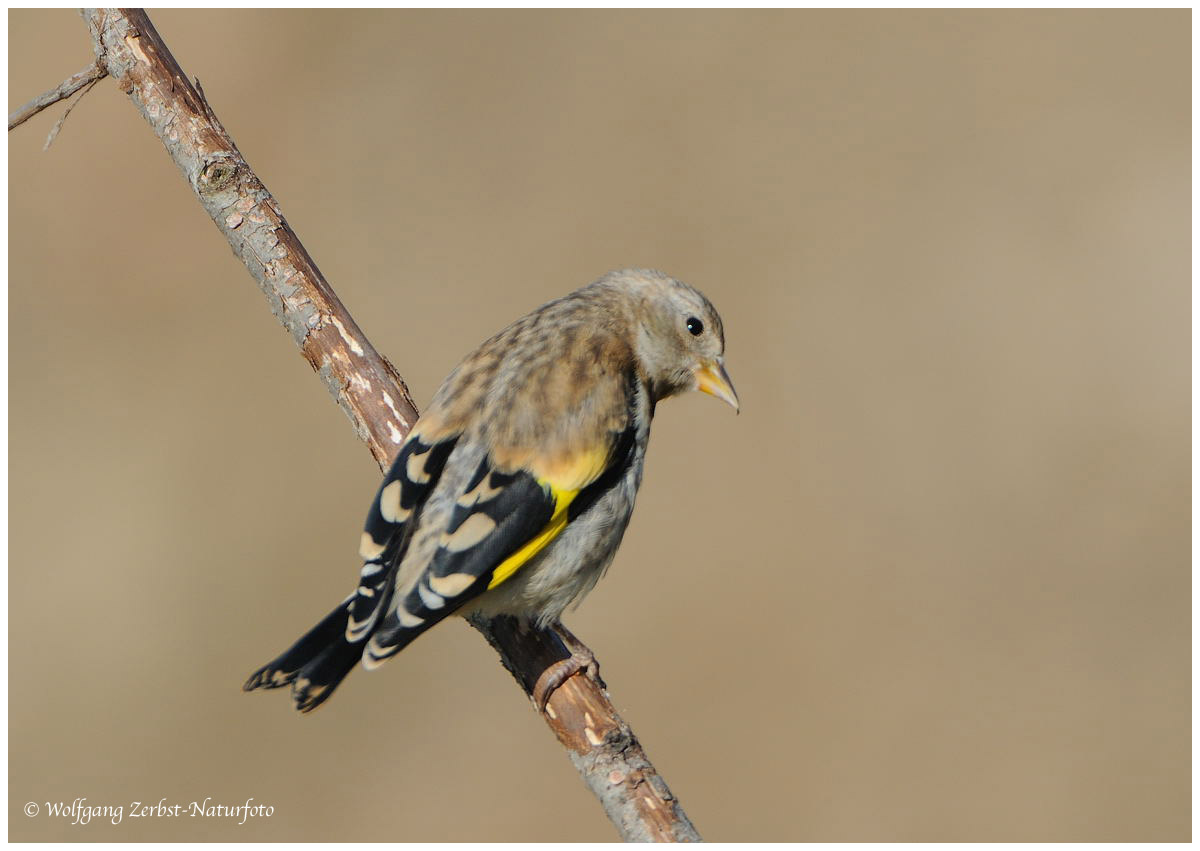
(932,584)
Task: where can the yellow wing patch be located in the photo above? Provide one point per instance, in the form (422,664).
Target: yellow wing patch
(563,471)
(572,472)
(558,522)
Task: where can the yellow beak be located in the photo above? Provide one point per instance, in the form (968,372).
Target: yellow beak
(711,378)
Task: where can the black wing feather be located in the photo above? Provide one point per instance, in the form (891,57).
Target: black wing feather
(382,527)
(519,509)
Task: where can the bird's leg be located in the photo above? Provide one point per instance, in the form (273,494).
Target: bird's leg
(581,659)
(591,665)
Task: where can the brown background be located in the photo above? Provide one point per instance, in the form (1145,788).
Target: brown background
(932,584)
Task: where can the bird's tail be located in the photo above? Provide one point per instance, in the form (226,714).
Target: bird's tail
(315,664)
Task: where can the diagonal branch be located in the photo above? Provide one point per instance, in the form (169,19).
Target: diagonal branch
(369,390)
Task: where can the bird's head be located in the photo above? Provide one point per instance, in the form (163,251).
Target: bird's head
(679,339)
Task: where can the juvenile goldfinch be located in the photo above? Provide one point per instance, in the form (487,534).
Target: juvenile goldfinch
(511,493)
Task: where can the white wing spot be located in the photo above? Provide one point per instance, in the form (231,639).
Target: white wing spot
(368,549)
(452,585)
(389,503)
(415,469)
(370,659)
(473,530)
(431,600)
(355,630)
(408,619)
(482,492)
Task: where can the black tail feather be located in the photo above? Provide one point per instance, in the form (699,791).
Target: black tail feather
(317,680)
(315,664)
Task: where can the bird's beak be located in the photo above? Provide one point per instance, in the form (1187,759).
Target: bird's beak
(711,378)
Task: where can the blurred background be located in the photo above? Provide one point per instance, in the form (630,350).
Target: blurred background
(932,584)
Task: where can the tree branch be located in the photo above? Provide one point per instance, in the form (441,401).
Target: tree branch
(64,90)
(368,389)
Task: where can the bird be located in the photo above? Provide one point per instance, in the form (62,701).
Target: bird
(512,491)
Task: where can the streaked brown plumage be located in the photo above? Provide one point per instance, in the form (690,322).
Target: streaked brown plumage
(513,490)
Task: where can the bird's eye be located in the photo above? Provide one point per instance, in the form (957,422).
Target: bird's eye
(695,326)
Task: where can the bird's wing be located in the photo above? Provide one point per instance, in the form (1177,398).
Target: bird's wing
(504,507)
(390,521)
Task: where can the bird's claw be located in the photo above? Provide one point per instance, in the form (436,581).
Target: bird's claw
(560,672)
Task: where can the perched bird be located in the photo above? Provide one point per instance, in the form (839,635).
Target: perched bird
(512,491)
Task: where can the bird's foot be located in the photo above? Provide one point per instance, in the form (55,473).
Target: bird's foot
(581,659)
(559,673)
